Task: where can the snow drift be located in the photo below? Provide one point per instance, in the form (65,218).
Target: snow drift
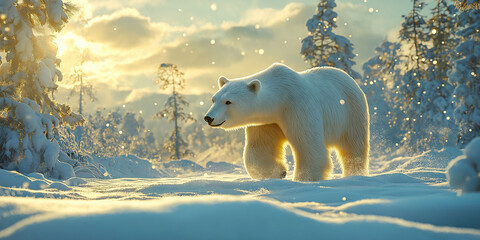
(404,198)
(463,171)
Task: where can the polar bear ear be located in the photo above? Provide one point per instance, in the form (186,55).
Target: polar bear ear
(254,86)
(222,81)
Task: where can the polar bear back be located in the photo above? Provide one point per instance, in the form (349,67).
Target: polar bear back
(328,90)
(341,99)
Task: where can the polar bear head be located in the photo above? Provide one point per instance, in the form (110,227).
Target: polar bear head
(234,105)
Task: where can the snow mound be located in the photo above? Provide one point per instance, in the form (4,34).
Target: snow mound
(463,171)
(183,166)
(221,167)
(213,217)
(219,154)
(33,181)
(128,166)
(428,166)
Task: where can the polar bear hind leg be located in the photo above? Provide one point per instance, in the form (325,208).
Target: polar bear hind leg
(353,151)
(264,152)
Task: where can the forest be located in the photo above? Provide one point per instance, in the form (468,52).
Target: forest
(95,127)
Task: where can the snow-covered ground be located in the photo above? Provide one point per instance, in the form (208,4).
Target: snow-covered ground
(404,198)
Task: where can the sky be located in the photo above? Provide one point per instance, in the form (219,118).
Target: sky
(126,40)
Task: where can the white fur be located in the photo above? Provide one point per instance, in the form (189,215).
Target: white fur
(314,111)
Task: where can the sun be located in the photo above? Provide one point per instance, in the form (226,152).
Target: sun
(61,46)
(68,41)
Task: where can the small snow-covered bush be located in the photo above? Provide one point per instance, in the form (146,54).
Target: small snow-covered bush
(463,171)
(27,140)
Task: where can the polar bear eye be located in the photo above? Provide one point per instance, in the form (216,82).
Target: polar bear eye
(228,102)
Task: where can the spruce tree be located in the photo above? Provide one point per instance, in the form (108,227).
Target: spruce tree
(380,74)
(322,47)
(169,77)
(81,87)
(27,75)
(81,84)
(466,77)
(409,89)
(436,106)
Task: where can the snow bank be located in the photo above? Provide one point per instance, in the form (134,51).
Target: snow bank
(183,166)
(401,203)
(187,167)
(34,181)
(212,217)
(463,171)
(428,166)
(128,166)
(222,167)
(217,154)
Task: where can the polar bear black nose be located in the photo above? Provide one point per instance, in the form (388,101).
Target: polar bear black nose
(208,119)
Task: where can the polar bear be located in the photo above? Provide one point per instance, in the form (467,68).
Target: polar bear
(314,111)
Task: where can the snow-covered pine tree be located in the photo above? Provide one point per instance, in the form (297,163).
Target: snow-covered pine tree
(130,125)
(111,134)
(380,74)
(79,79)
(464,5)
(466,77)
(84,89)
(144,143)
(103,134)
(136,139)
(322,47)
(409,90)
(146,146)
(27,74)
(81,86)
(169,77)
(436,105)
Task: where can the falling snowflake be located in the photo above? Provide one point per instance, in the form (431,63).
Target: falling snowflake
(213,6)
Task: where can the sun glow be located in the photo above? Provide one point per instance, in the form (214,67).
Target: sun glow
(81,43)
(61,47)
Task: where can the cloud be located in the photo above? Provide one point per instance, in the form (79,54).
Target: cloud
(95,6)
(248,32)
(122,29)
(265,17)
(238,49)
(140,93)
(107,97)
(127,59)
(190,53)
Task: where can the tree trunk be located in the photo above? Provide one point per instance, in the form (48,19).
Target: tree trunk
(415,41)
(175,116)
(80,129)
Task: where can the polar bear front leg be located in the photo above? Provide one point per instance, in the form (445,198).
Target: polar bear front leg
(312,162)
(264,153)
